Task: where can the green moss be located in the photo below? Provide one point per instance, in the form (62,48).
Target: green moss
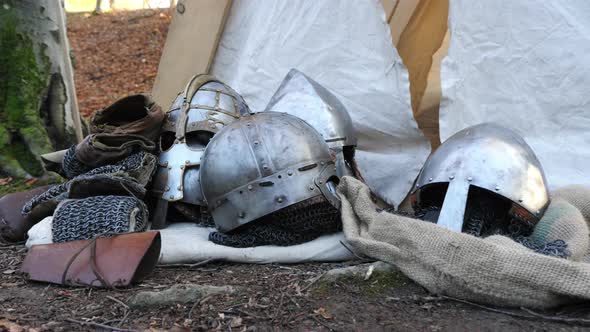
(22,83)
(379,283)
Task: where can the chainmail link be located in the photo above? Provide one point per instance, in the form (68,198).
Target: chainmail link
(557,248)
(71,166)
(295,224)
(84,219)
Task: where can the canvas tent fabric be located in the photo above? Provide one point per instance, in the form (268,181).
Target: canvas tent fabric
(421,47)
(345,46)
(523,64)
(190,46)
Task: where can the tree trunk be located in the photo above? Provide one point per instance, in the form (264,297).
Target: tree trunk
(98,10)
(38,105)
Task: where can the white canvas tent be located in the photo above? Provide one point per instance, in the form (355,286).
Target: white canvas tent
(524,64)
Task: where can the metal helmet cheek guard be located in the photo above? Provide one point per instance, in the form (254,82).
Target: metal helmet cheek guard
(263,163)
(490,157)
(198,113)
(306,99)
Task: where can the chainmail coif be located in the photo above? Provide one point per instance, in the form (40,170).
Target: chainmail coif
(83,219)
(295,224)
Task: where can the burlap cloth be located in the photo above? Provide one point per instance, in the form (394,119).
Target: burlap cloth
(495,270)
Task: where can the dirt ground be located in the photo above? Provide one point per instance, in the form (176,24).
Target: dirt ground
(116,55)
(268,297)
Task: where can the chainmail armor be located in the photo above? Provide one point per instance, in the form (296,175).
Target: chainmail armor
(84,219)
(295,224)
(140,166)
(71,166)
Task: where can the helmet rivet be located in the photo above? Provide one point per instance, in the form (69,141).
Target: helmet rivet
(310,188)
(321,182)
(181,166)
(280,199)
(451,177)
(322,163)
(520,200)
(167,188)
(242,214)
(248,124)
(169,167)
(497,188)
(250,187)
(171,196)
(470,179)
(179,188)
(289,173)
(264,167)
(187,162)
(165,164)
(256,142)
(538,212)
(430,179)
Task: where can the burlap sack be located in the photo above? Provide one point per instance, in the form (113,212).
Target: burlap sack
(495,270)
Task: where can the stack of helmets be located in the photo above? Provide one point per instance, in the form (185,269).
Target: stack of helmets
(204,107)
(483,180)
(270,179)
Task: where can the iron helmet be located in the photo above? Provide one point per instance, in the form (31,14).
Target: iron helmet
(263,163)
(305,98)
(198,113)
(489,157)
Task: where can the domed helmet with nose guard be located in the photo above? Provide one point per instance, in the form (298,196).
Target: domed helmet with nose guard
(490,163)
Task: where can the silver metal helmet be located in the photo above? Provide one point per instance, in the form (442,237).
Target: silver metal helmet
(200,111)
(490,157)
(263,163)
(305,98)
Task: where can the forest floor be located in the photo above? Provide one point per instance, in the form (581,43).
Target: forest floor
(116,55)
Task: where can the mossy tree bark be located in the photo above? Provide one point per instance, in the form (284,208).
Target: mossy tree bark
(38,106)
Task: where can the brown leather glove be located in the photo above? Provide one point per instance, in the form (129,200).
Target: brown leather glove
(13,225)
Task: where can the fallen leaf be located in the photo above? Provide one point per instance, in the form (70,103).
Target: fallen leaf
(31,182)
(236,322)
(323,312)
(8,271)
(10,326)
(5,181)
